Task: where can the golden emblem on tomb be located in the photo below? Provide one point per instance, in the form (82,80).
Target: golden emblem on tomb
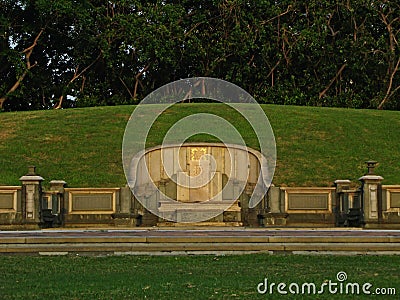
(196,153)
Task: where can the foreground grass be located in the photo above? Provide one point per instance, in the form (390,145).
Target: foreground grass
(187,277)
(315,146)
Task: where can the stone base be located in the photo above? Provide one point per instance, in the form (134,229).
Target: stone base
(304,220)
(200,224)
(124,223)
(19,227)
(382,225)
(275,219)
(215,212)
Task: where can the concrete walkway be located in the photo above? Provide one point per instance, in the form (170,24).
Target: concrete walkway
(228,240)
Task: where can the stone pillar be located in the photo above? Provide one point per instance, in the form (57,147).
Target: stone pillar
(125,200)
(276,215)
(341,202)
(372,198)
(125,215)
(58,188)
(342,184)
(31,196)
(274,199)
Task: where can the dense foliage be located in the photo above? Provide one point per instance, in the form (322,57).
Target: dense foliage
(68,53)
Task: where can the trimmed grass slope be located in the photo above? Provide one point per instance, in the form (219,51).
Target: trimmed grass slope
(315,146)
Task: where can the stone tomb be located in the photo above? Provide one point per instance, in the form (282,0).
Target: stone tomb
(195,182)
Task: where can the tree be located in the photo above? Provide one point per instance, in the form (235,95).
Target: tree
(58,54)
(388,14)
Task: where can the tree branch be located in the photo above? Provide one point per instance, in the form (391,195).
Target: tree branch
(333,32)
(278,16)
(137,79)
(271,72)
(388,91)
(74,77)
(28,52)
(322,94)
(126,87)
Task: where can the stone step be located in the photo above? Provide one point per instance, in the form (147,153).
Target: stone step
(111,248)
(199,241)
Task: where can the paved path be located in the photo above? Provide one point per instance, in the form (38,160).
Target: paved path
(200,241)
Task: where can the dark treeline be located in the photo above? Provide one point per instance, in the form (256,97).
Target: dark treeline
(59,54)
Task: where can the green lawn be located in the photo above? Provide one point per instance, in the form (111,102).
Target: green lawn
(188,277)
(315,146)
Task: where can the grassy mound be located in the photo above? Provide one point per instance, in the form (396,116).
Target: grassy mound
(315,146)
